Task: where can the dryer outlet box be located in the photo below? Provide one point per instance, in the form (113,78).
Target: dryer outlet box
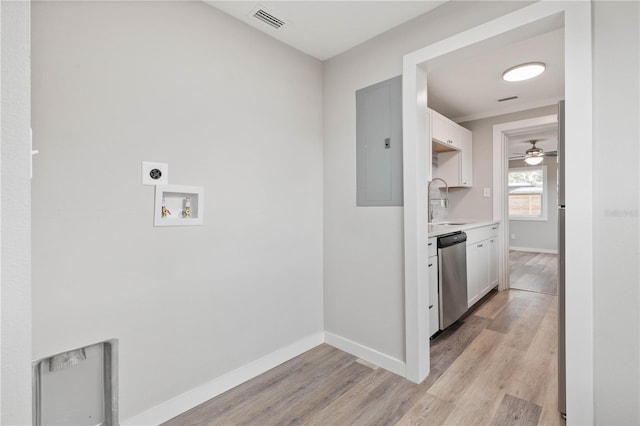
(155,173)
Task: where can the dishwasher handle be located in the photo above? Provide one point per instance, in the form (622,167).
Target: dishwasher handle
(452,239)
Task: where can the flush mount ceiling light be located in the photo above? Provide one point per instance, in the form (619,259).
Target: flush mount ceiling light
(524,71)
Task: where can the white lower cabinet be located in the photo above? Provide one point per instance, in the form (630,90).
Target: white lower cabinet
(493,262)
(434,303)
(477,271)
(482,262)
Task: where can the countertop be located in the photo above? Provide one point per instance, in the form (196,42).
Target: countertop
(437,229)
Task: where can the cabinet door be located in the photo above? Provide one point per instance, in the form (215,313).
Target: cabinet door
(379,144)
(444,130)
(477,271)
(483,272)
(451,145)
(434,302)
(473,277)
(466,158)
(493,263)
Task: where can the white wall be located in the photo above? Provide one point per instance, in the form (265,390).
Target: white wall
(116,83)
(364,263)
(539,234)
(15,214)
(616,243)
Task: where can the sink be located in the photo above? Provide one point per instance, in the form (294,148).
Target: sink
(447,226)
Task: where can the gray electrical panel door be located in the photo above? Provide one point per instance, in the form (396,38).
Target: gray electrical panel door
(379,144)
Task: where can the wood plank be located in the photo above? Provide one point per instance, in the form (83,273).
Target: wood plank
(429,410)
(533,271)
(382,398)
(526,326)
(539,365)
(294,408)
(493,306)
(467,366)
(537,381)
(285,388)
(390,405)
(345,405)
(452,342)
(505,320)
(479,400)
(550,415)
(516,411)
(551,285)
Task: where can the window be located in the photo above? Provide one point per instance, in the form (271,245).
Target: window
(528,193)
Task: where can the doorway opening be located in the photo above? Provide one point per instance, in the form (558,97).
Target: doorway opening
(579,230)
(529,196)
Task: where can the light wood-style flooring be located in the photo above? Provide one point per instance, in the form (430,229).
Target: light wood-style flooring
(497,366)
(533,271)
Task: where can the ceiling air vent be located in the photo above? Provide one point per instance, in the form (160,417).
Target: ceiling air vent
(267,18)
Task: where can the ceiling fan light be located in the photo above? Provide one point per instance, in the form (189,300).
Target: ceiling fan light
(533,161)
(524,71)
(534,151)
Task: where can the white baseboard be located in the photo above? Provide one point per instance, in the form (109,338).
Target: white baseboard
(178,405)
(534,250)
(370,355)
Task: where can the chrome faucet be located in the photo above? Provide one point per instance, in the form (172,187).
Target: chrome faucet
(444,202)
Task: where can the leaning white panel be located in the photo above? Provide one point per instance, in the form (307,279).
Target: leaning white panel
(77,387)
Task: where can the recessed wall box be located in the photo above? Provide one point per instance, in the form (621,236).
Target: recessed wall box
(179,205)
(155,173)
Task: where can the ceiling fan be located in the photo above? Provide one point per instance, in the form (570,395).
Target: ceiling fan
(534,155)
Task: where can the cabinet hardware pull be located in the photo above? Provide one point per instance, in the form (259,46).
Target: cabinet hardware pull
(430,306)
(479,245)
(430,265)
(387,143)
(495,227)
(430,244)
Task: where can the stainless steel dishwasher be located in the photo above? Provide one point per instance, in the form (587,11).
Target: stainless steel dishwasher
(452,282)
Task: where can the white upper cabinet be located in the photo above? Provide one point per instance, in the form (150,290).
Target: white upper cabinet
(450,151)
(445,131)
(466,158)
